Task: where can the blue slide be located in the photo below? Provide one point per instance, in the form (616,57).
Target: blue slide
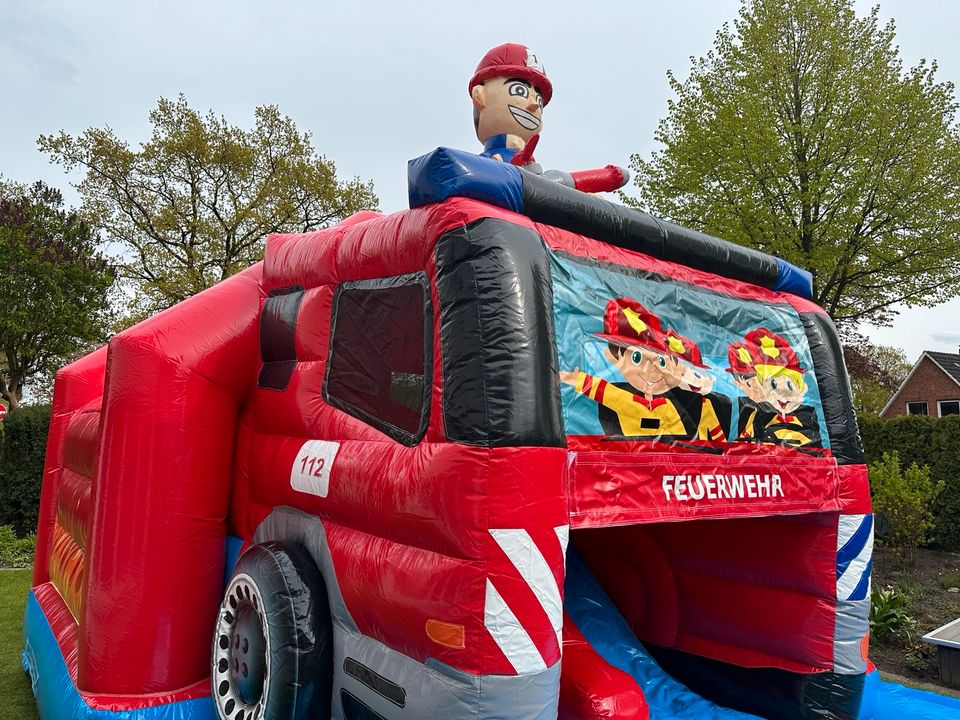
(604,628)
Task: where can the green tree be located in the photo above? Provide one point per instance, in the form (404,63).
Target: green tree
(194,204)
(801,134)
(876,371)
(55,287)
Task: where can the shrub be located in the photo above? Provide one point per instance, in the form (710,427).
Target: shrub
(15,551)
(922,659)
(21,471)
(925,441)
(944,460)
(906,498)
(888,614)
(911,436)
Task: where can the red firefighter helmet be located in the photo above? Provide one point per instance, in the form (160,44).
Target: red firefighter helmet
(773,350)
(627,322)
(513,60)
(742,358)
(685,348)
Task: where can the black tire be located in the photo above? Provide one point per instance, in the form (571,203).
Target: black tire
(273,646)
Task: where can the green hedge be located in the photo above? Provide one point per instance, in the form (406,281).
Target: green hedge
(16,552)
(926,441)
(21,469)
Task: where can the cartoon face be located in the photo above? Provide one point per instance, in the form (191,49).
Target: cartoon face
(648,371)
(749,386)
(507,105)
(695,380)
(784,391)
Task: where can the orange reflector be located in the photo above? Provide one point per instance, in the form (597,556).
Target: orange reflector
(446,634)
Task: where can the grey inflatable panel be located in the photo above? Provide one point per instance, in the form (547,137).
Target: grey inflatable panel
(394,685)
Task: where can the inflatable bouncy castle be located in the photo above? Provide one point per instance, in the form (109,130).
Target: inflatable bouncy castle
(515,453)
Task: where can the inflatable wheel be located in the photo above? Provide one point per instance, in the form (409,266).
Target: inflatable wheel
(273,646)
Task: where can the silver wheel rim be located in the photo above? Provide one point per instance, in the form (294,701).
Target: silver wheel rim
(241,596)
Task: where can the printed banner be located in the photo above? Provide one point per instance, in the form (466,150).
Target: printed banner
(608,489)
(648,359)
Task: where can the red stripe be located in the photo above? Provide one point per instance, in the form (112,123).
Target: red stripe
(528,610)
(587,384)
(601,386)
(548,543)
(523,601)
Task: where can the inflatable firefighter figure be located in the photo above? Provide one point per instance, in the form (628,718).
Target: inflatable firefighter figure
(781,417)
(509,90)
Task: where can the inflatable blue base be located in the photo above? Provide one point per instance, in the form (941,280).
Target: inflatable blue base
(896,702)
(587,605)
(57,697)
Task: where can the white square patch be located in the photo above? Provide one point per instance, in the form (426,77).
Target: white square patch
(311,468)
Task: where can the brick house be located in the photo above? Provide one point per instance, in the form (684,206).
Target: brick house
(931,388)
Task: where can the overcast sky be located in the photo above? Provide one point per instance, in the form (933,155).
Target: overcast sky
(378,83)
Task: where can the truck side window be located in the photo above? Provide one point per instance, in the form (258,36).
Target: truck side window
(380,354)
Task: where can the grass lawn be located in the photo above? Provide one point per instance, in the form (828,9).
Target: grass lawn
(16,699)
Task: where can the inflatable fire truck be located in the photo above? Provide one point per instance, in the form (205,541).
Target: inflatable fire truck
(516,452)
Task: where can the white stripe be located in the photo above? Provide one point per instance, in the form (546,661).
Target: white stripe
(846,529)
(848,582)
(510,635)
(535,571)
(848,525)
(563,535)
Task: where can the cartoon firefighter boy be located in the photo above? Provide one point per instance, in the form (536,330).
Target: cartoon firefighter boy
(742,360)
(781,417)
(698,387)
(646,406)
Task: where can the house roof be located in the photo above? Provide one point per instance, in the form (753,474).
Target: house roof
(947,362)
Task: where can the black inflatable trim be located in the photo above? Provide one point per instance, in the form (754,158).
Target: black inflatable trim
(496,334)
(768,692)
(300,627)
(356,709)
(375,681)
(554,204)
(835,393)
(278,339)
